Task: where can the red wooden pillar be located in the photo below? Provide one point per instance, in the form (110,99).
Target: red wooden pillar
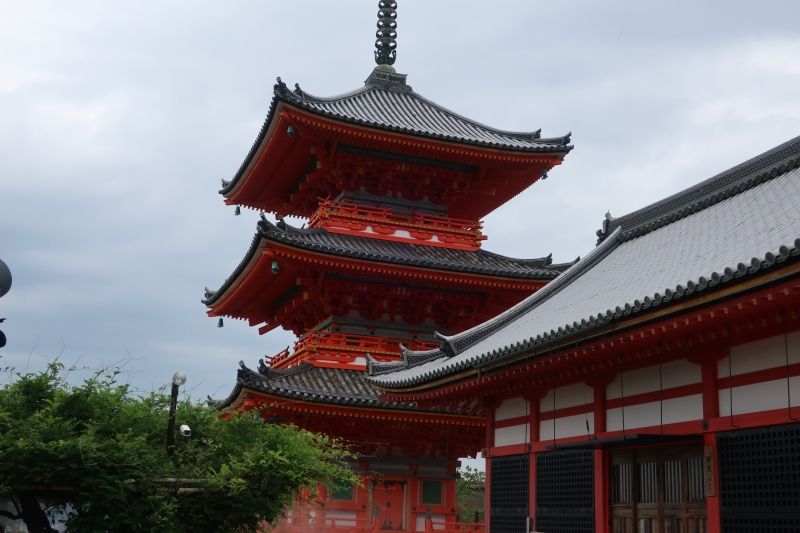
(534,416)
(414,503)
(491,405)
(708,363)
(602,518)
(710,390)
(712,484)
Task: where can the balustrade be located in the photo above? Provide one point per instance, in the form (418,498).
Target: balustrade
(414,226)
(343,348)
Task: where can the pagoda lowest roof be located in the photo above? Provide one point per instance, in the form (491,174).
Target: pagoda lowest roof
(728,229)
(479,262)
(386,102)
(309,383)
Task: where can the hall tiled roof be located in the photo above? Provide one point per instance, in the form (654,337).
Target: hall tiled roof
(386,102)
(728,228)
(399,253)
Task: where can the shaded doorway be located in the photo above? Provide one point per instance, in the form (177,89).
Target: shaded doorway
(508,504)
(565,491)
(759,477)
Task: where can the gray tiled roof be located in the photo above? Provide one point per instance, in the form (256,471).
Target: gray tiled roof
(389,104)
(320,240)
(309,383)
(726,229)
(395,106)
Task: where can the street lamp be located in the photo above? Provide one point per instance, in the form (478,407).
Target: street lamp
(178,379)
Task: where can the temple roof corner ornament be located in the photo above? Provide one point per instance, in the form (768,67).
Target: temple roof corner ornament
(445,346)
(605,230)
(371,362)
(385,37)
(280,86)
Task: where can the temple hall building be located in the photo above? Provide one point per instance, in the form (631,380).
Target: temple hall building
(654,386)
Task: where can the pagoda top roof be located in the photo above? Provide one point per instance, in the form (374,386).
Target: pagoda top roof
(386,102)
(310,383)
(735,226)
(320,240)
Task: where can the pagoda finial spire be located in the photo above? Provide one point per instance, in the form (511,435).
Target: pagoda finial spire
(385,43)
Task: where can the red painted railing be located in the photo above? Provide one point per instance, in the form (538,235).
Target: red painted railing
(365,526)
(343,348)
(347,217)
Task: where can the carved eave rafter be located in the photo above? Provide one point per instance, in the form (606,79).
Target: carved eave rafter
(302,157)
(309,287)
(415,432)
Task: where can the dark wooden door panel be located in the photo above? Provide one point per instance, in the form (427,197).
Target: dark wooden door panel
(658,490)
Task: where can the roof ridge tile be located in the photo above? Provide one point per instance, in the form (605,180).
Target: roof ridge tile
(763,167)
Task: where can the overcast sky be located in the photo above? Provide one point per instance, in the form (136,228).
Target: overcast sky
(118,119)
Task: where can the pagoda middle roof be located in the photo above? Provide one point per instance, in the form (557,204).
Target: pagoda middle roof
(320,240)
(386,102)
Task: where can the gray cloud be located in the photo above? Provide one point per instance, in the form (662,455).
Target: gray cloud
(118,120)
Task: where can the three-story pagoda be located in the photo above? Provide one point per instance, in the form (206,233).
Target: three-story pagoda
(393,188)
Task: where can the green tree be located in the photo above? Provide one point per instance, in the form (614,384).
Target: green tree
(97,452)
(470,490)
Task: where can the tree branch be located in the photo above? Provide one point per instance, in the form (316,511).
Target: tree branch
(9,514)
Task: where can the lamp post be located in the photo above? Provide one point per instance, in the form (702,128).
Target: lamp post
(178,379)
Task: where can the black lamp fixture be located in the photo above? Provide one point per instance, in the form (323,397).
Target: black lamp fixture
(178,379)
(5,286)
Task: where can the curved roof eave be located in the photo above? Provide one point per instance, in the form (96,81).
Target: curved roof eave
(525,142)
(483,263)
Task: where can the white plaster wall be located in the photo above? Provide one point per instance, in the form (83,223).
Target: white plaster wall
(568,396)
(673,374)
(437,519)
(511,408)
(340,518)
(683,409)
(512,435)
(764,396)
(567,426)
(760,355)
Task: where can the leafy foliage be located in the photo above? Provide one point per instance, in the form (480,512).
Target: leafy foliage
(100,450)
(470,489)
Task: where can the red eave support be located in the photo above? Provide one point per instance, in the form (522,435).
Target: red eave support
(279,164)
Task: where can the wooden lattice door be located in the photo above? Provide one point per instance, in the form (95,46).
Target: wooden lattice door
(658,490)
